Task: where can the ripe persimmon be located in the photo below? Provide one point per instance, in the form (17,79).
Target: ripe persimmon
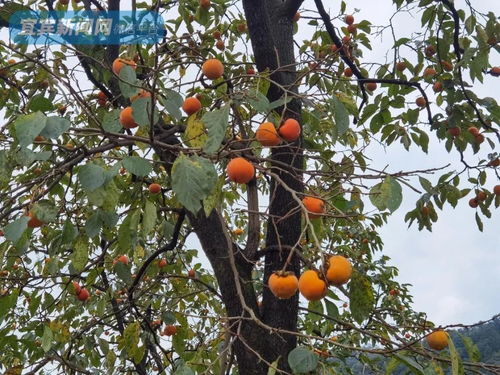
(162,263)
(83,295)
(34,222)
(437,86)
(170,330)
(481,196)
(479,139)
(495,72)
(154,188)
(437,340)
(371,86)
(220,45)
(122,259)
(119,63)
(127,118)
(429,72)
(496,190)
(191,273)
(267,135)
(191,105)
(290,130)
(349,19)
(421,102)
(77,287)
(212,69)
(315,206)
(473,130)
(401,66)
(205,4)
(339,270)
(448,66)
(240,170)
(142,94)
(283,284)
(455,131)
(216,34)
(473,203)
(296,17)
(238,231)
(348,72)
(311,286)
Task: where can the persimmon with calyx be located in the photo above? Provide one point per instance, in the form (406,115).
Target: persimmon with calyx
(212,69)
(238,231)
(429,72)
(421,102)
(205,4)
(267,135)
(77,287)
(102,98)
(481,196)
(473,130)
(371,86)
(348,72)
(119,63)
(339,270)
(349,19)
(290,130)
(154,188)
(283,284)
(170,330)
(401,66)
(473,203)
(127,118)
(495,72)
(191,105)
(311,286)
(430,51)
(216,34)
(191,273)
(446,65)
(162,263)
(479,139)
(437,340)
(437,86)
(240,170)
(220,45)
(496,190)
(314,206)
(455,131)
(353,29)
(83,295)
(34,222)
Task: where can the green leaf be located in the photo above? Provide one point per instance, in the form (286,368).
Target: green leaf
(195,134)
(457,367)
(172,102)
(27,127)
(69,232)
(472,350)
(193,179)
(111,122)
(410,363)
(123,272)
(258,101)
(55,126)
(91,176)
(184,370)
(387,194)
(129,341)
(80,254)
(214,198)
(361,297)
(127,231)
(141,108)
(47,338)
(331,309)
(7,303)
(341,116)
(148,217)
(137,165)
(14,230)
(302,360)
(273,367)
(39,103)
(46,211)
(128,81)
(93,225)
(216,122)
(5,169)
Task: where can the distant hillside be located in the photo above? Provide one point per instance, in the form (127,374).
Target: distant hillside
(486,337)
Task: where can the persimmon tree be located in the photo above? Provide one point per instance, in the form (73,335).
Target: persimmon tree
(126,246)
